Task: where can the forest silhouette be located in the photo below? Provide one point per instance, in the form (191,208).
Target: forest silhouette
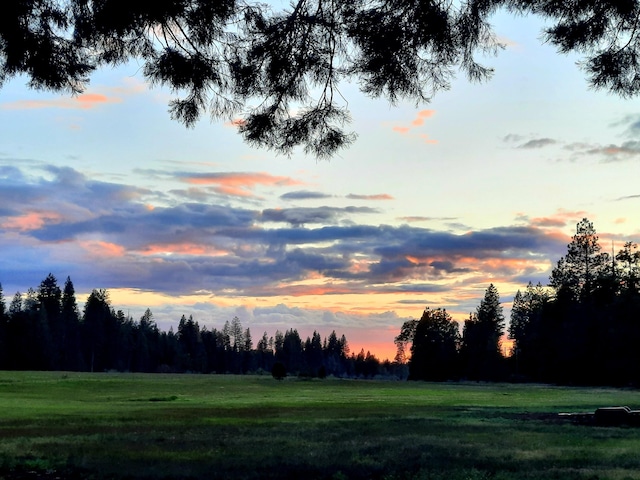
(583,328)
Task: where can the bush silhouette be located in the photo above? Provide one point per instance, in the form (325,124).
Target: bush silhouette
(278,371)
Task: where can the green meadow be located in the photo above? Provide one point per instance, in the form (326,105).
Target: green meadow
(135,426)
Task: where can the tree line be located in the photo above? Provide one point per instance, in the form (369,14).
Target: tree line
(45,330)
(582,328)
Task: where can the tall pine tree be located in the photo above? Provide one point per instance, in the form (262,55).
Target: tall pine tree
(481,338)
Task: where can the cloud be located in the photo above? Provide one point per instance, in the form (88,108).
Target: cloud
(416,219)
(302,216)
(631,123)
(418,121)
(615,153)
(304,195)
(427,139)
(512,138)
(237,184)
(538,143)
(236,123)
(380,196)
(559,219)
(413,302)
(105,235)
(507,42)
(447,266)
(421,115)
(85,101)
(97,98)
(32,220)
(544,222)
(628,197)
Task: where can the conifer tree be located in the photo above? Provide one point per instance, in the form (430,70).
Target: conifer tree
(434,351)
(481,338)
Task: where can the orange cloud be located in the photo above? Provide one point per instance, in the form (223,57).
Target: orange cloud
(428,140)
(103,249)
(85,101)
(422,114)
(418,121)
(401,130)
(239,184)
(89,100)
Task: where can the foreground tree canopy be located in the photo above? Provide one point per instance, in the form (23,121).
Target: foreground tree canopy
(279,69)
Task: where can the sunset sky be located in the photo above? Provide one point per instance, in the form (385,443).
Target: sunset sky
(431,204)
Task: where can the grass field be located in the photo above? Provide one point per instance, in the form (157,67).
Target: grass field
(74,425)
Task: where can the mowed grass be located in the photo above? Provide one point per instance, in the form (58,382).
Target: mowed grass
(79,425)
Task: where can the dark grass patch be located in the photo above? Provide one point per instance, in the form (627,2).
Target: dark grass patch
(170,398)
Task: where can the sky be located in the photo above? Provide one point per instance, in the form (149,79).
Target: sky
(433,202)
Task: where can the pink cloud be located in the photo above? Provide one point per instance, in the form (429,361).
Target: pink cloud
(558,220)
(236,123)
(30,221)
(182,249)
(239,184)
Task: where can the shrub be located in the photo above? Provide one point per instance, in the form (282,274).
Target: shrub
(278,371)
